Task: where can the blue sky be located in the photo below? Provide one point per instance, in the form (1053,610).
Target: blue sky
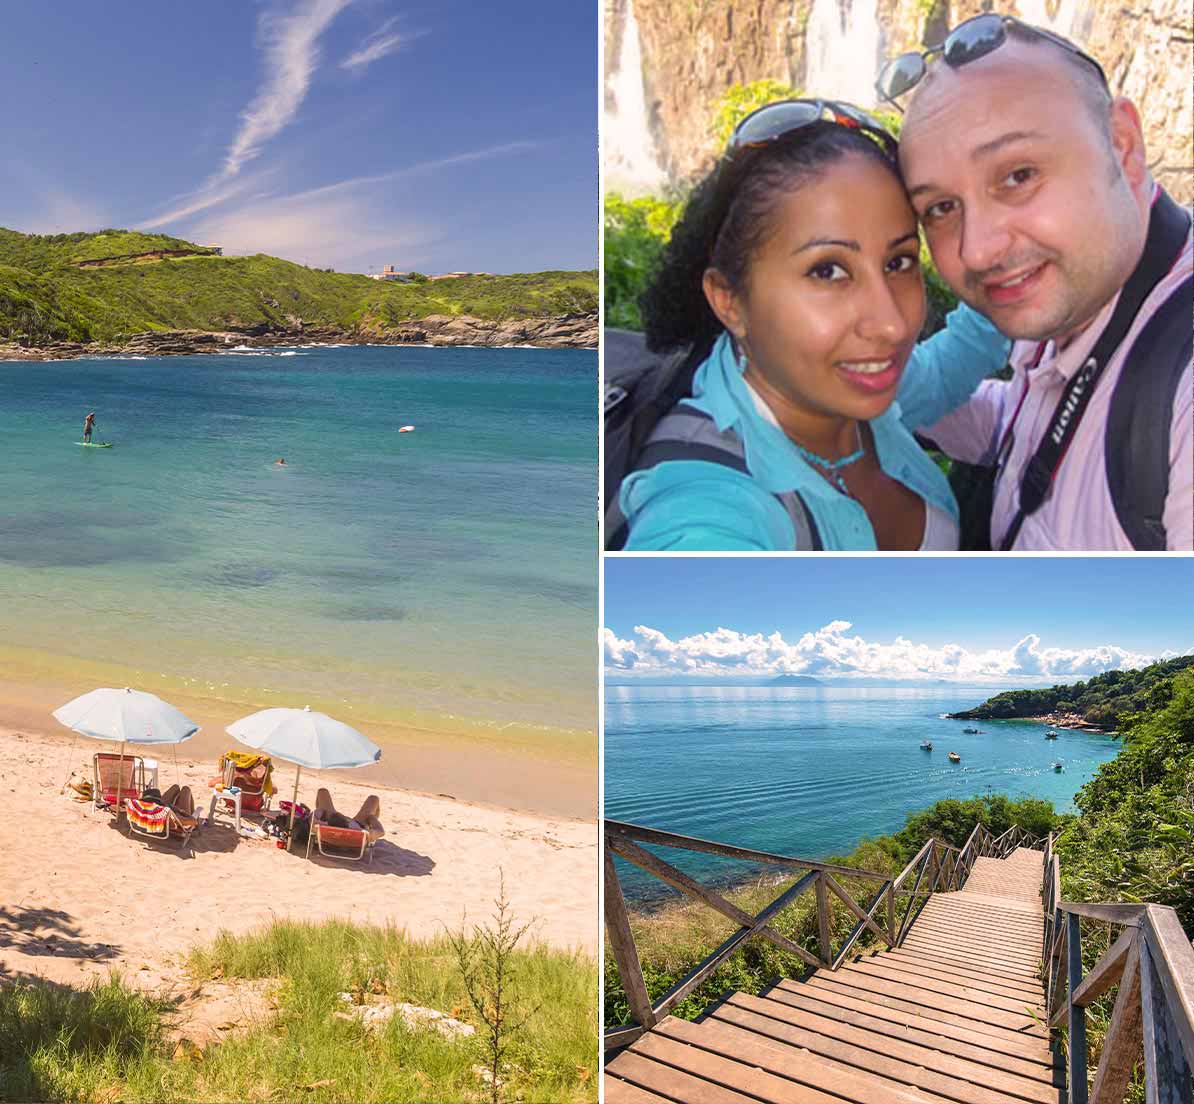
(344,133)
(1018,620)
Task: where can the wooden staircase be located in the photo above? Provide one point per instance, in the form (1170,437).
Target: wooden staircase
(955,1012)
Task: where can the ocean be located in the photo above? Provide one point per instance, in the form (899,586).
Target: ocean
(442,577)
(811,771)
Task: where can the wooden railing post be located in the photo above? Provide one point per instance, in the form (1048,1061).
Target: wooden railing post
(1077,1015)
(621,941)
(1168,1043)
(823,935)
(891,928)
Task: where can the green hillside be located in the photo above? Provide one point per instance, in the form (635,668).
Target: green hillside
(43,297)
(1101,701)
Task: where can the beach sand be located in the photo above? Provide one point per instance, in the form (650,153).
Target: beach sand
(78,896)
(549,771)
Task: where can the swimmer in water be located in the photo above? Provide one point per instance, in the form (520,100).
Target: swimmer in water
(88,426)
(279,463)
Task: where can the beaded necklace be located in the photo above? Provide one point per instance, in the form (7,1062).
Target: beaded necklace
(831,469)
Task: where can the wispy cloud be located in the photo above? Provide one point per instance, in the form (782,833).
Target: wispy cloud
(193,203)
(385,40)
(505,150)
(832,651)
(349,232)
(291,46)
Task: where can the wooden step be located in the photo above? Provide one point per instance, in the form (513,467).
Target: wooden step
(955,1014)
(794,1007)
(749,1066)
(898,1060)
(1030,1049)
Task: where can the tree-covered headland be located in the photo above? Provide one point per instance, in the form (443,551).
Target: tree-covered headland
(53,289)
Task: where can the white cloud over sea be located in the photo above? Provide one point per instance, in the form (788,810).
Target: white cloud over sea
(834,651)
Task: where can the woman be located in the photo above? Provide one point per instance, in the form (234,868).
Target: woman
(794,279)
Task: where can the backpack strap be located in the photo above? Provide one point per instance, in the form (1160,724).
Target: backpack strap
(690,434)
(1136,442)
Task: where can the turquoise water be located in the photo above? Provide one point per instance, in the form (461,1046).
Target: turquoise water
(810,771)
(449,570)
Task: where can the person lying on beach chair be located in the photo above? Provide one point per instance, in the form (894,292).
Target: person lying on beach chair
(345,835)
(155,815)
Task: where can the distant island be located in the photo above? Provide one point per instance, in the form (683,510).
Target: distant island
(121,291)
(795,680)
(1098,704)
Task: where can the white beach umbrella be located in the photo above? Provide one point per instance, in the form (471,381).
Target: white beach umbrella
(306,738)
(130,716)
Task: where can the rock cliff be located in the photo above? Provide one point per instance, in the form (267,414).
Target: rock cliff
(692,52)
(573,331)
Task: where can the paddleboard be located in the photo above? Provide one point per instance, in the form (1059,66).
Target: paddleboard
(93,444)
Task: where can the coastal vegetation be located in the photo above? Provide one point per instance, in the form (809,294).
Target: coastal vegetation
(110,1042)
(1131,840)
(45,296)
(1103,701)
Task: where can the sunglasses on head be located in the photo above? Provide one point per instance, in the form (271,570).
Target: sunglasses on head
(967,42)
(774,121)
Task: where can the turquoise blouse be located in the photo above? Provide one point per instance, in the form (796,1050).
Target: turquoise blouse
(695,505)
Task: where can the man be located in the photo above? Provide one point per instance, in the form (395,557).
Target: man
(1031,183)
(88,426)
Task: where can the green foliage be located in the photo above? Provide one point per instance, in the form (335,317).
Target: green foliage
(106,1043)
(952,820)
(1104,700)
(636,230)
(739,100)
(45,252)
(1135,838)
(43,299)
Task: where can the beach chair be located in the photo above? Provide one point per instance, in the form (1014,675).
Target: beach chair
(115,779)
(159,820)
(351,843)
(253,781)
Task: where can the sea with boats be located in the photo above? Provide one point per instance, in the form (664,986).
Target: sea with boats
(812,771)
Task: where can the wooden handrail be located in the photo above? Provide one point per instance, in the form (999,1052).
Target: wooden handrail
(1152,962)
(943,864)
(709,847)
(619,837)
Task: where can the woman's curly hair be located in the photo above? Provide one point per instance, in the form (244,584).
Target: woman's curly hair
(727,218)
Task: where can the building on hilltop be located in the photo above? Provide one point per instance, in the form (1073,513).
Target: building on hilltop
(390,273)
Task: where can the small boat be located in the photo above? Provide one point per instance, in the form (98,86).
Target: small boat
(971,731)
(1057,765)
(1050,735)
(926,745)
(954,757)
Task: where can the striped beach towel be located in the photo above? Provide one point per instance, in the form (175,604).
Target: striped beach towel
(148,816)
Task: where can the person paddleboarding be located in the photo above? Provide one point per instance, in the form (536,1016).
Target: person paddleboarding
(88,426)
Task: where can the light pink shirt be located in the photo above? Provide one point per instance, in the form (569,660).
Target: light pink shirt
(1078,515)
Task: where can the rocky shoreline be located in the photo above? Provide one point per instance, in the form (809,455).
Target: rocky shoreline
(1069,720)
(1055,719)
(573,331)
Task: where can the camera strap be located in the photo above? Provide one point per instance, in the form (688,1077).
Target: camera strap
(1168,226)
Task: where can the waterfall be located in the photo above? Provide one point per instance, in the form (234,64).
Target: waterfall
(841,51)
(1059,16)
(630,163)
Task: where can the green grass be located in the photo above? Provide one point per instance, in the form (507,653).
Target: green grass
(43,298)
(106,1043)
